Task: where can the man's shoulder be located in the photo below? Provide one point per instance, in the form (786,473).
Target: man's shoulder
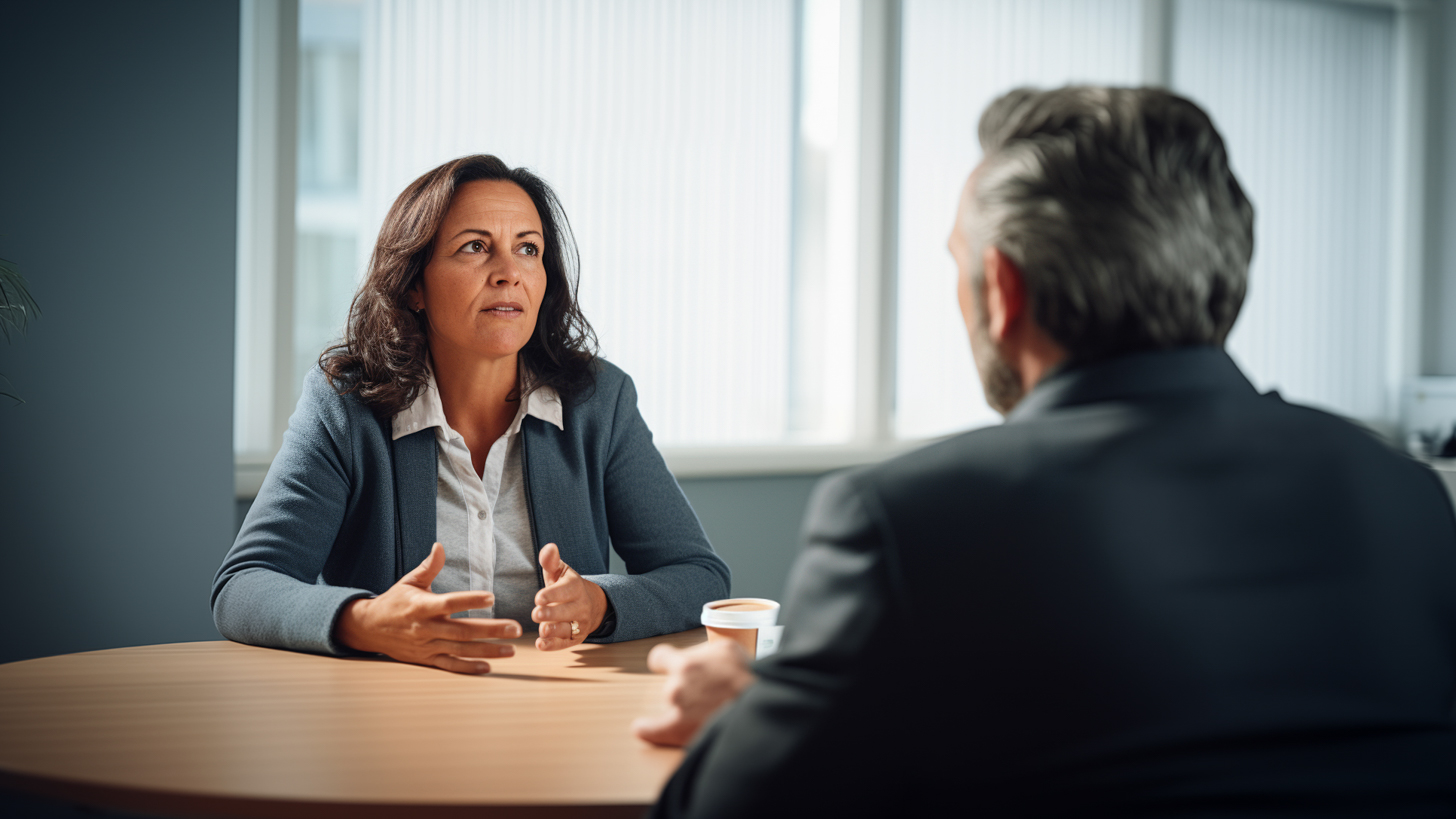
(993,453)
(971,465)
(1329,441)
(1075,446)
(982,448)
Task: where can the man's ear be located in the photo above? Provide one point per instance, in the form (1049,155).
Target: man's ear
(1005,293)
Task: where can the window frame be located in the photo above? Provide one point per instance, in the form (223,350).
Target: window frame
(869,76)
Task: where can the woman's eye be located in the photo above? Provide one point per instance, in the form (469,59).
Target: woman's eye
(476,246)
(530,249)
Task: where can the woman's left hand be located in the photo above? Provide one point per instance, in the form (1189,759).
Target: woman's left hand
(569,608)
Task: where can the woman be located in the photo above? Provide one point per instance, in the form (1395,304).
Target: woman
(466,408)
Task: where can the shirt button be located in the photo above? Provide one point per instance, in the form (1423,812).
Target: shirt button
(481,514)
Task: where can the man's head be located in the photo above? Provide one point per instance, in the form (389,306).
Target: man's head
(1113,217)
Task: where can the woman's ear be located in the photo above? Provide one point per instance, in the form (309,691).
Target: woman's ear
(1005,293)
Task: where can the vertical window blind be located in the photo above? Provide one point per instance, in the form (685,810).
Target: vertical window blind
(328,246)
(667,130)
(1301,92)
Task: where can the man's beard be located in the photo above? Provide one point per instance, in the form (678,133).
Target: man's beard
(1000,380)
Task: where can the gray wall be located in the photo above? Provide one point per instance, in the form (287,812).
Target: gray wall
(118,164)
(754,525)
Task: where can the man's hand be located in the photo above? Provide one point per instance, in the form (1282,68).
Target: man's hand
(412,624)
(568,597)
(700,680)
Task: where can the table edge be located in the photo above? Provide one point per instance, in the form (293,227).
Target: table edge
(188,804)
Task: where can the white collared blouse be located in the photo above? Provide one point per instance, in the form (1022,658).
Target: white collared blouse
(482,520)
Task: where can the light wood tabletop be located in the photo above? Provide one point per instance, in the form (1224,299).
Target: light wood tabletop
(224,729)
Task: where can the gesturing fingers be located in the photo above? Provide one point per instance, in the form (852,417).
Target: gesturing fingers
(676,726)
(438,605)
(569,601)
(473,628)
(552,566)
(424,574)
(664,658)
(471,650)
(412,624)
(668,728)
(459,666)
(563,610)
(461,657)
(559,635)
(571,586)
(699,682)
(577,608)
(559,631)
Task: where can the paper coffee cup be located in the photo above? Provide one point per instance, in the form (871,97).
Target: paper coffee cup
(752,622)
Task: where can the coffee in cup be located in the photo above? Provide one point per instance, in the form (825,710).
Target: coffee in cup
(752,622)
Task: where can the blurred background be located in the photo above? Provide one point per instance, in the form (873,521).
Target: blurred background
(760,190)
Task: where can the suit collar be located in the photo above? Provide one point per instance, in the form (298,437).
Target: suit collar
(1183,369)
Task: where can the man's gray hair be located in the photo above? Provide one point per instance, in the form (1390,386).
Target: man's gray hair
(1120,210)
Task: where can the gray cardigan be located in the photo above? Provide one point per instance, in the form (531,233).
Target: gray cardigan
(344,512)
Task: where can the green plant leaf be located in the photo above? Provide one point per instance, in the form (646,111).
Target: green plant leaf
(17,306)
(18,400)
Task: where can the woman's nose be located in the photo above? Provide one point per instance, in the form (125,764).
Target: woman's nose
(507,272)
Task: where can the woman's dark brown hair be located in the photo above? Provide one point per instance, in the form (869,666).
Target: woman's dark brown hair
(385,348)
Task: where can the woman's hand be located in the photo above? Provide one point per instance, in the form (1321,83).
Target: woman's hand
(412,624)
(567,599)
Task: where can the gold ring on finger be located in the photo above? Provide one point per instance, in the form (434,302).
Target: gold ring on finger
(575,629)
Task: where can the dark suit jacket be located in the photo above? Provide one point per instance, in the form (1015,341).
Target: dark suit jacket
(1151,592)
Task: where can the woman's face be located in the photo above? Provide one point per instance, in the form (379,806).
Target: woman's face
(483,285)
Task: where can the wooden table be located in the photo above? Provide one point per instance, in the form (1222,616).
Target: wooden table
(224,729)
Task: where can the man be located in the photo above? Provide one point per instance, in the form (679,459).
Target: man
(1151,592)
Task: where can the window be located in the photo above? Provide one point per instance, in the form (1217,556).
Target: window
(687,141)
(667,130)
(761,191)
(954,66)
(1302,92)
(329,253)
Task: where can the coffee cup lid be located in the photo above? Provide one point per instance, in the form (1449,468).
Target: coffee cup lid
(756,618)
